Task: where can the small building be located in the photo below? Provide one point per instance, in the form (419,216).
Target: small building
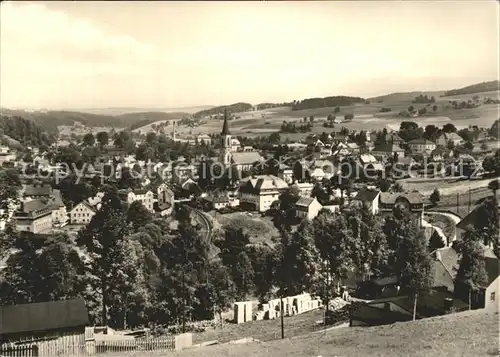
(388,151)
(82,213)
(307,208)
(444,138)
(285,172)
(304,188)
(244,161)
(368,197)
(421,146)
(52,328)
(400,308)
(409,201)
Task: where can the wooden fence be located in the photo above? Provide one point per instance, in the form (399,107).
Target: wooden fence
(92,348)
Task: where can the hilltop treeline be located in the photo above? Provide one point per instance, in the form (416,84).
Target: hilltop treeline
(142,119)
(233,108)
(336,101)
(25,131)
(475,88)
(273,105)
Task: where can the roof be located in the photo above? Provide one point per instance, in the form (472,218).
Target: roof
(245,158)
(421,141)
(367,195)
(470,219)
(86,204)
(387,148)
(263,182)
(304,201)
(449,258)
(451,136)
(37,190)
(391,198)
(225,126)
(57,199)
(367,158)
(43,316)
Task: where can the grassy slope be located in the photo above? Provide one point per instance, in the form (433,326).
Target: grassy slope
(473,333)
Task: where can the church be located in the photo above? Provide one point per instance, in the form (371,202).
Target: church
(232,154)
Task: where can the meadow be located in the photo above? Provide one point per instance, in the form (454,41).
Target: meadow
(366,116)
(470,333)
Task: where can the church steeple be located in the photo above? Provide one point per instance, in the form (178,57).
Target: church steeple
(225,141)
(225,126)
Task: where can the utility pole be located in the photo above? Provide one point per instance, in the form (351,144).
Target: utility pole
(468,205)
(282,314)
(458,200)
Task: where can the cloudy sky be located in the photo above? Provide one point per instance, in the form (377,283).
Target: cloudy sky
(170,54)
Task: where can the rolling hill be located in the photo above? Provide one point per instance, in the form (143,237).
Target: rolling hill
(474,88)
(232,108)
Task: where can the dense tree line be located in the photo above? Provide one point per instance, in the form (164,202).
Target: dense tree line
(232,108)
(294,128)
(424,99)
(335,101)
(27,132)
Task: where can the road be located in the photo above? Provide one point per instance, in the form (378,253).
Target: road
(204,221)
(454,218)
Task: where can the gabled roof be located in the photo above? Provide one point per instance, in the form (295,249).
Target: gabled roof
(421,141)
(42,316)
(304,201)
(245,158)
(367,195)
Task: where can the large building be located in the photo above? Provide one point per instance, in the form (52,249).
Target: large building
(34,216)
(259,192)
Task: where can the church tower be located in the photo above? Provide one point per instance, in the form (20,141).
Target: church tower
(225,142)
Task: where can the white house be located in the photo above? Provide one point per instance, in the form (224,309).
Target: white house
(491,296)
(304,188)
(82,213)
(444,138)
(146,197)
(421,146)
(307,208)
(259,192)
(33,216)
(369,197)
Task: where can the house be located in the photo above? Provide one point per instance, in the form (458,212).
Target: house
(388,151)
(244,161)
(307,208)
(421,146)
(34,216)
(400,308)
(392,138)
(368,197)
(59,212)
(304,188)
(444,138)
(368,162)
(218,202)
(285,173)
(146,197)
(36,191)
(50,326)
(6,155)
(409,201)
(445,263)
(164,194)
(259,192)
(82,213)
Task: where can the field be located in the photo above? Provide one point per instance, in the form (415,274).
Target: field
(366,116)
(471,333)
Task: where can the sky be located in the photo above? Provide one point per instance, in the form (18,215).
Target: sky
(67,55)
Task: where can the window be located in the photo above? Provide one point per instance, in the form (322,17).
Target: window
(492,296)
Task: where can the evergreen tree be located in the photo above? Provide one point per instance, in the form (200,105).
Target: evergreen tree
(102,238)
(413,262)
(138,215)
(471,270)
